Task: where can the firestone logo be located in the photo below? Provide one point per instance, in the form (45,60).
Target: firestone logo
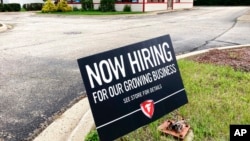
(147,108)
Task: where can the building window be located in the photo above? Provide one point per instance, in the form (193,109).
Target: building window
(74,1)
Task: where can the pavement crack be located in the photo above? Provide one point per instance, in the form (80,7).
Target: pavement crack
(216,37)
(227,42)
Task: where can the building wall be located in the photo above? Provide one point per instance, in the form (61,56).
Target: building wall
(134,6)
(155,6)
(183,4)
(79,6)
(187,1)
(141,5)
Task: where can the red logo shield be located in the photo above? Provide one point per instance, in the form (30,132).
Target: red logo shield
(147,108)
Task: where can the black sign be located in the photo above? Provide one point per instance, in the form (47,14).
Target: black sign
(132,86)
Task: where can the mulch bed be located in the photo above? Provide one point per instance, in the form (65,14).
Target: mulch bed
(238,58)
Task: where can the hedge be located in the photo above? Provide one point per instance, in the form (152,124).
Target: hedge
(10,7)
(107,5)
(1,8)
(33,6)
(87,5)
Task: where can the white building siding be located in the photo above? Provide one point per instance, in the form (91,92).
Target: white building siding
(155,6)
(183,1)
(183,4)
(134,7)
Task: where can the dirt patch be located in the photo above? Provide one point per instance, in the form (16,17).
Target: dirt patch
(238,58)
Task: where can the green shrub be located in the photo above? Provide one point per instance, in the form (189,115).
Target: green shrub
(15,6)
(63,6)
(33,6)
(2,8)
(76,9)
(49,7)
(87,5)
(127,8)
(107,5)
(6,7)
(10,7)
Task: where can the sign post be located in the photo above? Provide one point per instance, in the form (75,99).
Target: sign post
(132,86)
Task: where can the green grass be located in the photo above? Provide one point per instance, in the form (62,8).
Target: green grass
(23,10)
(218,96)
(92,13)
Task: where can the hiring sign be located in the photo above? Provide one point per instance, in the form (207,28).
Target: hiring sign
(132,86)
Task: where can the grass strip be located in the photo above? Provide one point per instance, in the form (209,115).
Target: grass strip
(93,13)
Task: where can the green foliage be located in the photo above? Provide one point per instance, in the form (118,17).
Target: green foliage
(15,6)
(33,6)
(92,136)
(49,7)
(127,8)
(107,5)
(1,8)
(87,5)
(63,6)
(76,9)
(222,2)
(10,7)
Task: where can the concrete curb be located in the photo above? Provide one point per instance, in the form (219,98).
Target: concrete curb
(206,50)
(76,122)
(3,27)
(72,125)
